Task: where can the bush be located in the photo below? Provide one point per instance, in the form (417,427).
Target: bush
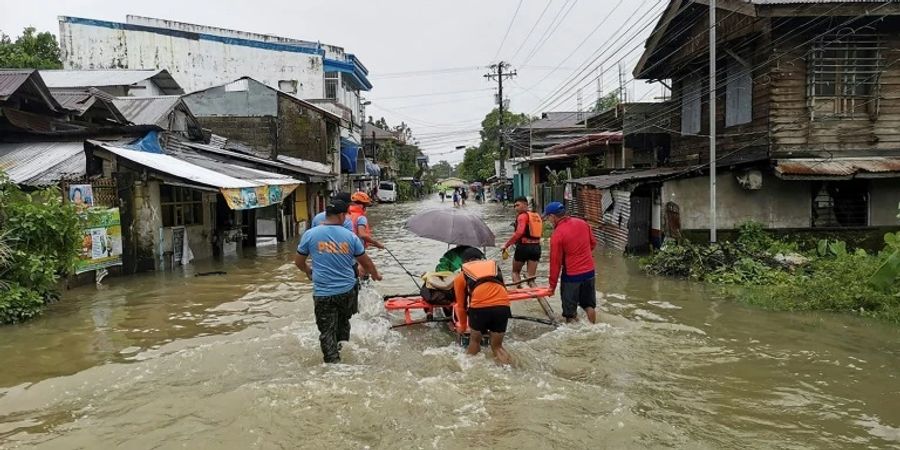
(42,236)
(833,278)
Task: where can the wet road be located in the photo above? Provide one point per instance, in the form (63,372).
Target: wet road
(177,361)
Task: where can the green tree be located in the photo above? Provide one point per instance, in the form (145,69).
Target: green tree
(31,50)
(478,162)
(442,169)
(607,101)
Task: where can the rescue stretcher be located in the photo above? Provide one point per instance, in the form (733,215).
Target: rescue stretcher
(409,303)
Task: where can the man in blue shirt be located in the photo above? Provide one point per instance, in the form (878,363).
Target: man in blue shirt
(319,218)
(334,250)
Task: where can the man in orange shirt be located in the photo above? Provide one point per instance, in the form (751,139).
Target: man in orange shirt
(482,303)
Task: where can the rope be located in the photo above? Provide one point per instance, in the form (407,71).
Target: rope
(404,268)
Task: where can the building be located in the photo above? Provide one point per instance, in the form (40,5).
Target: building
(116,82)
(201,56)
(550,129)
(808,97)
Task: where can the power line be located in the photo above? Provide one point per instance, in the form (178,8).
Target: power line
(548,33)
(513,20)
(429,94)
(416,73)
(525,39)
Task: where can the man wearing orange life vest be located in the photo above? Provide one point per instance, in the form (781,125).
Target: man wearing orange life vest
(482,303)
(357,215)
(527,239)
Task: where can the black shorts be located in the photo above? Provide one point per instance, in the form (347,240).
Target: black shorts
(527,252)
(575,294)
(492,318)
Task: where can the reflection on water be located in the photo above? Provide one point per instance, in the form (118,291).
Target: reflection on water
(172,360)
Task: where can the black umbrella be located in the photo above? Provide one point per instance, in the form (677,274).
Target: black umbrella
(452,226)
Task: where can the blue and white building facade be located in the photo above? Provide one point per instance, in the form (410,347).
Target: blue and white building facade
(199,56)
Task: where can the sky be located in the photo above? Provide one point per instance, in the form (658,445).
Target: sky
(426,59)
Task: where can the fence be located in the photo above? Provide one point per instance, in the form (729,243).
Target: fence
(548,194)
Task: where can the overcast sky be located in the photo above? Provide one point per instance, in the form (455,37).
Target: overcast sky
(426,58)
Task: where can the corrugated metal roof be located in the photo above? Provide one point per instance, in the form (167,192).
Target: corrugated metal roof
(105,78)
(312,166)
(787,2)
(841,168)
(380,133)
(221,175)
(11,80)
(614,179)
(42,163)
(584,143)
(147,110)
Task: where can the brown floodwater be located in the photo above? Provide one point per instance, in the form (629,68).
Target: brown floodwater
(170,360)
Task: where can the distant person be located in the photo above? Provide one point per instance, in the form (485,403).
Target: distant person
(463,195)
(527,239)
(482,303)
(456,198)
(571,250)
(442,196)
(334,249)
(319,218)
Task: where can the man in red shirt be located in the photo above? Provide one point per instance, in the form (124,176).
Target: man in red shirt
(527,240)
(571,249)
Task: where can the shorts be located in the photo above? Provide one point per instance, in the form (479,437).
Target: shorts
(575,294)
(492,318)
(527,252)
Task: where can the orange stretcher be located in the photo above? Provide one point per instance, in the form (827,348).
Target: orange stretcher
(409,303)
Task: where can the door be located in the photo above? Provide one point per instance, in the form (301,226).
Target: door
(639,224)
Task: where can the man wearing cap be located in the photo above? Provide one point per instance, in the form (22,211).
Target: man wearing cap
(319,218)
(571,252)
(361,227)
(334,250)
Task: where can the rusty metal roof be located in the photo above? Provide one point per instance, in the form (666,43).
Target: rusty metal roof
(837,168)
(42,163)
(586,143)
(148,110)
(617,178)
(11,80)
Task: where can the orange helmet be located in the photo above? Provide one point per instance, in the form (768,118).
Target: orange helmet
(361,197)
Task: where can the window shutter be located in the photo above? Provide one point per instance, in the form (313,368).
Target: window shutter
(738,95)
(690,107)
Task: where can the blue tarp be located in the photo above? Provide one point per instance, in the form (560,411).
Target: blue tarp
(349,152)
(149,143)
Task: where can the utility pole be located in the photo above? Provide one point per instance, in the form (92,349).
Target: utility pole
(712,121)
(498,74)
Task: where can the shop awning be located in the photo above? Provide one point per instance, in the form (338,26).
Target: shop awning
(242,187)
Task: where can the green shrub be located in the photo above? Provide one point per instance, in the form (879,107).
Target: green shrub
(42,236)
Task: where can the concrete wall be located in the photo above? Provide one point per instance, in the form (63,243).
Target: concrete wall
(778,204)
(256,100)
(302,132)
(147,222)
(884,195)
(195,63)
(257,132)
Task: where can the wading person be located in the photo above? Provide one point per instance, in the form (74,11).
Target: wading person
(571,252)
(442,196)
(456,198)
(482,303)
(527,239)
(357,214)
(334,250)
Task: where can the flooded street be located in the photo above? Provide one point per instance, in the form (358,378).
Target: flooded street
(170,360)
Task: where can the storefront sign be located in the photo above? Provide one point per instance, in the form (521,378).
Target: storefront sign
(257,197)
(101,240)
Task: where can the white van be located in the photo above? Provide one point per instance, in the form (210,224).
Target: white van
(387,192)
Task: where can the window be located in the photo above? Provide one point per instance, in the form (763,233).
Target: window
(331,85)
(843,75)
(289,86)
(180,206)
(840,204)
(690,107)
(738,94)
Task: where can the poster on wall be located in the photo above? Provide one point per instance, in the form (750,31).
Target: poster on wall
(257,197)
(178,244)
(101,244)
(82,196)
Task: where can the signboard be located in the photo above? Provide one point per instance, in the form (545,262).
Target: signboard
(257,197)
(178,244)
(82,196)
(101,244)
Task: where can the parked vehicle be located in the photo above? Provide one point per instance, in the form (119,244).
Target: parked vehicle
(387,192)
